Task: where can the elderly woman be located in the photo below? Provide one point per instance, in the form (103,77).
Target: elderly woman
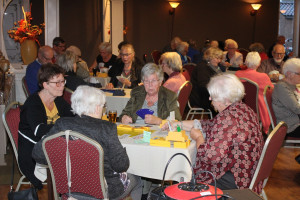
(67,61)
(151,95)
(171,65)
(286,97)
(232,59)
(252,62)
(127,72)
(87,104)
(182,49)
(105,58)
(201,75)
(230,144)
(39,113)
(82,69)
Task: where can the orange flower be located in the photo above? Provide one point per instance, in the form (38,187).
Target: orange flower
(25,30)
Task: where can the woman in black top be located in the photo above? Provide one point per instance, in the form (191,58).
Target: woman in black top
(127,70)
(105,58)
(38,115)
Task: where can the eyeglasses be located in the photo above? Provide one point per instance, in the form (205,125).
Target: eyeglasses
(148,82)
(279,54)
(125,55)
(59,83)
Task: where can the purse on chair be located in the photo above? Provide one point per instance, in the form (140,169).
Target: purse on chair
(28,194)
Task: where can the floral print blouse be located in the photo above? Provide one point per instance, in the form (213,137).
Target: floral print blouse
(233,143)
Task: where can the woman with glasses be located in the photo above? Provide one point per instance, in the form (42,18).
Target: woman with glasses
(38,115)
(232,59)
(151,95)
(126,72)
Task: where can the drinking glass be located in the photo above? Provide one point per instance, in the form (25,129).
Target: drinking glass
(112,116)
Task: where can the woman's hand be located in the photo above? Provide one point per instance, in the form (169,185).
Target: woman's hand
(151,119)
(109,86)
(125,81)
(197,135)
(126,119)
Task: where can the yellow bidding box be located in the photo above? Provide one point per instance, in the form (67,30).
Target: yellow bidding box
(160,142)
(102,75)
(177,136)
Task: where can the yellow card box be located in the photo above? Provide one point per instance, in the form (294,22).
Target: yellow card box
(162,123)
(160,142)
(140,129)
(177,136)
(102,75)
(123,127)
(104,117)
(182,145)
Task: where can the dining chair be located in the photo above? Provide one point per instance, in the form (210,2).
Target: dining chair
(86,164)
(268,90)
(189,67)
(244,52)
(186,74)
(268,101)
(155,54)
(11,119)
(183,95)
(268,157)
(67,95)
(197,111)
(251,95)
(25,87)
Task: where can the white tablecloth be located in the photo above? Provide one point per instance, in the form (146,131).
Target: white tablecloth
(150,161)
(117,103)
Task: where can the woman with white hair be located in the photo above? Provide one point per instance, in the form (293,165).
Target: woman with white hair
(182,49)
(232,59)
(262,79)
(171,65)
(67,61)
(230,144)
(151,95)
(87,104)
(286,97)
(105,58)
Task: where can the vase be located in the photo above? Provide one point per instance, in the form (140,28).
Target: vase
(28,51)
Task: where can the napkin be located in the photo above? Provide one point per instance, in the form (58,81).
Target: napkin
(143,112)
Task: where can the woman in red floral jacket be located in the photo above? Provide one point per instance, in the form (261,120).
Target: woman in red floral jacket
(230,144)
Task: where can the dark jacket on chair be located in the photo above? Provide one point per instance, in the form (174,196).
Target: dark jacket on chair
(105,133)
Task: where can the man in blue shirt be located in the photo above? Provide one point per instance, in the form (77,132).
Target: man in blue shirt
(45,55)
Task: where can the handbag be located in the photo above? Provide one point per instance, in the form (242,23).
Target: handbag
(28,194)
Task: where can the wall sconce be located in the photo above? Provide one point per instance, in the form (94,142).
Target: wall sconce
(173,5)
(255,7)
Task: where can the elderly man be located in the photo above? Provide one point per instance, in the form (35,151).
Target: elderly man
(45,55)
(274,63)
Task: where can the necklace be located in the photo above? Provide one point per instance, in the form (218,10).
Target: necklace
(151,100)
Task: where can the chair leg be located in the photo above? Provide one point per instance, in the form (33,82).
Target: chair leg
(21,182)
(264,195)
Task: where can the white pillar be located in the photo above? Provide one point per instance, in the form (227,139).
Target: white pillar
(106,21)
(3,7)
(51,20)
(296,28)
(116,24)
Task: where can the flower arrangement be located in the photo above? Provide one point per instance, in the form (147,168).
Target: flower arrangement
(25,30)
